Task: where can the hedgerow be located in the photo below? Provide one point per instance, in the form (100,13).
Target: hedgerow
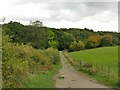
(19,61)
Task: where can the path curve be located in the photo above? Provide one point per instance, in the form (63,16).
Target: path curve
(73,79)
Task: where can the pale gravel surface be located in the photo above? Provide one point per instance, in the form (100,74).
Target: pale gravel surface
(73,79)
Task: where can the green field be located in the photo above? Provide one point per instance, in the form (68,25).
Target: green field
(106,56)
(104,61)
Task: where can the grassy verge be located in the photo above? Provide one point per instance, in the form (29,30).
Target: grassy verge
(104,61)
(43,80)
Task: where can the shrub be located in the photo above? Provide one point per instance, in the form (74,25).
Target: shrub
(53,54)
(75,46)
(20,61)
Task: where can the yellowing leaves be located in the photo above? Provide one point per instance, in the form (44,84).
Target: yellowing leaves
(94,39)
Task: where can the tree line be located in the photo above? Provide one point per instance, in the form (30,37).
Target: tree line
(72,39)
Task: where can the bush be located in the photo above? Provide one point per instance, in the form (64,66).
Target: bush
(53,54)
(20,61)
(75,46)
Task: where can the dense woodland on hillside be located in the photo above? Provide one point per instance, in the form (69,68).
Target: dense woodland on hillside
(29,49)
(71,39)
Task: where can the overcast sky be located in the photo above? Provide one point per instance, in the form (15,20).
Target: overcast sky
(99,16)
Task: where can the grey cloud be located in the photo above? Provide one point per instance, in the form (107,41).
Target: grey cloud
(77,10)
(80,10)
(71,7)
(102,5)
(39,1)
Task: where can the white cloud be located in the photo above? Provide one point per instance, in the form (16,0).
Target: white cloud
(95,25)
(25,10)
(96,16)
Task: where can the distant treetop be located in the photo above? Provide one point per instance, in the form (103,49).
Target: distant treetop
(36,23)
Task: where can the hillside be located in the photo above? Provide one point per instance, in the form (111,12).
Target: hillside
(105,56)
(72,39)
(100,63)
(33,52)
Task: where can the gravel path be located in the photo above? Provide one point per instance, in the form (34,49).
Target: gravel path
(69,78)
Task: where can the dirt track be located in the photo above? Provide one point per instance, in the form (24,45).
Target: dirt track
(69,78)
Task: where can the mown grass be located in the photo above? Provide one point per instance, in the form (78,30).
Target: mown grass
(104,61)
(43,80)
